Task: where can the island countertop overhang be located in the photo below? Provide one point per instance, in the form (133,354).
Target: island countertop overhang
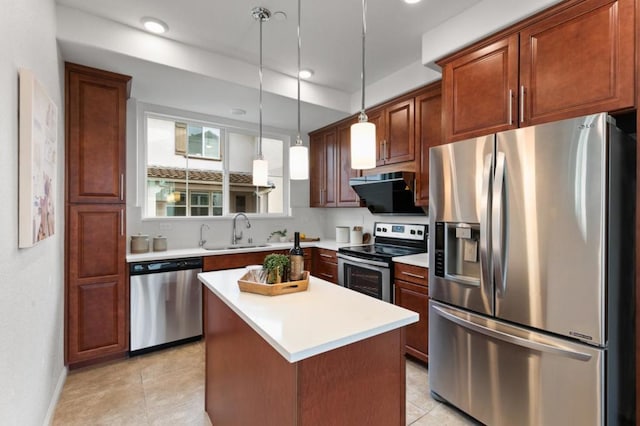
(301,325)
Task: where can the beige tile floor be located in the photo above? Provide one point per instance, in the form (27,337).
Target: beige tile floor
(167,388)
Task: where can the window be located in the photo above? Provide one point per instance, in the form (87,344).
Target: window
(200,205)
(187,175)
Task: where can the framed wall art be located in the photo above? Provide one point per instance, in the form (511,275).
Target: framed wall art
(38,136)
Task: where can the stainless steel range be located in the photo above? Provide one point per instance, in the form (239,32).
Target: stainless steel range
(368,269)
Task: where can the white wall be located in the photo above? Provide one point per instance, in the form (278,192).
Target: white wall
(31,280)
(475,23)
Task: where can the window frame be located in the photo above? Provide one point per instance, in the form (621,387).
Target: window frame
(226,126)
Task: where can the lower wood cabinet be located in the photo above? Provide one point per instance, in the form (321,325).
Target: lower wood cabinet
(97,288)
(325,265)
(412,292)
(240,260)
(236,260)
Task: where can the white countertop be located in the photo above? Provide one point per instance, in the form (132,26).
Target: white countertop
(301,325)
(420,259)
(197,251)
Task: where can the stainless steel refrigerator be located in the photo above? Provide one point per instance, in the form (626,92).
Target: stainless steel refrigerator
(531,315)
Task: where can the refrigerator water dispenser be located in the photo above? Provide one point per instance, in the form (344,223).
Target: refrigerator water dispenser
(457,256)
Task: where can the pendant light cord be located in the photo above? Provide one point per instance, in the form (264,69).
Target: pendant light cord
(298,139)
(260,73)
(363,116)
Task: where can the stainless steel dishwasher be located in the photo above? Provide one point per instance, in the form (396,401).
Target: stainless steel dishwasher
(166,303)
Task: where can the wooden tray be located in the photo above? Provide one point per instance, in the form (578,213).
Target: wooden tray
(273,289)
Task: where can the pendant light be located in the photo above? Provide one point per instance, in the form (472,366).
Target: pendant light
(363,133)
(298,153)
(260,166)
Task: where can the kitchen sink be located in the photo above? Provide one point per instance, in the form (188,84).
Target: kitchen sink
(233,246)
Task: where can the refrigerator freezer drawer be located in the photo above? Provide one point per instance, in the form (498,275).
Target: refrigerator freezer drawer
(503,375)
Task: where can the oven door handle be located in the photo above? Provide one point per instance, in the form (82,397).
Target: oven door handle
(365,261)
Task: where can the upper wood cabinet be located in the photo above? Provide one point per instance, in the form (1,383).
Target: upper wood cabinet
(346,196)
(395,132)
(428,134)
(322,168)
(566,62)
(330,167)
(316,169)
(406,127)
(577,62)
(96,123)
(479,90)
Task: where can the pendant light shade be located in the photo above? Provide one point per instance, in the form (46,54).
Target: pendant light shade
(363,145)
(363,133)
(260,166)
(299,154)
(260,172)
(299,162)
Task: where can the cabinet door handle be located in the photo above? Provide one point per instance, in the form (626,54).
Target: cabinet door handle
(326,275)
(510,105)
(409,274)
(522,104)
(122,222)
(121,186)
(385,150)
(325,255)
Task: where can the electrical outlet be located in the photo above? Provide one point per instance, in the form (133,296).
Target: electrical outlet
(164,226)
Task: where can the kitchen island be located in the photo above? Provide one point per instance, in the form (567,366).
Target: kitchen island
(327,355)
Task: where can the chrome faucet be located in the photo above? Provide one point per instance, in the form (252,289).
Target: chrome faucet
(235,237)
(202,241)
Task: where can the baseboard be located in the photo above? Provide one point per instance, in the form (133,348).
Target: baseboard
(51,411)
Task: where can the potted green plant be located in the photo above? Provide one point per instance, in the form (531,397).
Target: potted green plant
(276,266)
(282,235)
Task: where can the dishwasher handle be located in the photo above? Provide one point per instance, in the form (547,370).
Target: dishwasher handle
(155,267)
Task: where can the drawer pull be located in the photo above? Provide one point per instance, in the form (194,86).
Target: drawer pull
(326,255)
(326,275)
(412,275)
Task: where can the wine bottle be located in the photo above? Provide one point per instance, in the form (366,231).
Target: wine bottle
(296,259)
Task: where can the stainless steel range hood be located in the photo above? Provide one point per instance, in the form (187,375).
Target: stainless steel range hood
(387,193)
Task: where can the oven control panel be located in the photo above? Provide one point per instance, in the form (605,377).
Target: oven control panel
(404,231)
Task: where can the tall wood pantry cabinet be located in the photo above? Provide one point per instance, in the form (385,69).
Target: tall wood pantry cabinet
(96,288)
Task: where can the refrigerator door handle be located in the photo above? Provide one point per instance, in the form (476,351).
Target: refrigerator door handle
(497,225)
(484,224)
(515,340)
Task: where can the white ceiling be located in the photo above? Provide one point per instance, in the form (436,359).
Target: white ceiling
(330,31)
(207,61)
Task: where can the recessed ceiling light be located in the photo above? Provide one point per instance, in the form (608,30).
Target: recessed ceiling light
(238,111)
(154,25)
(280,16)
(307,73)
(412,1)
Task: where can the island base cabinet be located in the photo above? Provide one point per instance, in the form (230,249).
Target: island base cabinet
(248,382)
